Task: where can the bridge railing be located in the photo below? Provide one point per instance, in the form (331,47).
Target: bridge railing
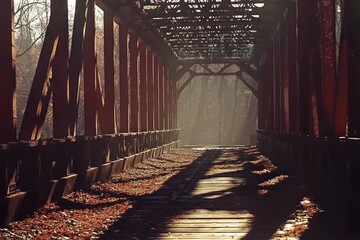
(329,165)
(44,170)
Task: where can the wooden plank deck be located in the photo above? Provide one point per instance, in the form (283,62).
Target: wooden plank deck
(218,198)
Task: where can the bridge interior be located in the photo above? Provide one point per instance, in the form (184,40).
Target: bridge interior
(300,59)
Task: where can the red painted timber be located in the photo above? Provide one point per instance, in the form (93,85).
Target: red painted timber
(90,103)
(109,113)
(124,79)
(277,84)
(143,88)
(75,64)
(268,79)
(161,96)
(293,71)
(150,87)
(156,92)
(40,92)
(285,78)
(134,82)
(327,46)
(171,103)
(304,60)
(7,74)
(166,98)
(341,86)
(352,18)
(60,76)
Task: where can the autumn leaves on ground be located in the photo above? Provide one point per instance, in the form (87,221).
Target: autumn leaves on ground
(88,214)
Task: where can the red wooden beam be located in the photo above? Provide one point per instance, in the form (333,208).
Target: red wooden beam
(124,79)
(75,64)
(60,76)
(341,85)
(276,84)
(293,70)
(303,64)
(134,84)
(144,109)
(40,92)
(352,18)
(166,98)
(150,87)
(268,90)
(285,77)
(161,96)
(90,104)
(7,74)
(109,113)
(156,92)
(328,52)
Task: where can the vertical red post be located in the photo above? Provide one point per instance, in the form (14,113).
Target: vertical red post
(171,103)
(328,43)
(285,77)
(268,79)
(90,73)
(75,64)
(150,87)
(156,92)
(341,88)
(166,98)
(109,113)
(134,86)
(60,77)
(276,85)
(7,74)
(304,59)
(143,89)
(352,18)
(161,95)
(124,79)
(293,71)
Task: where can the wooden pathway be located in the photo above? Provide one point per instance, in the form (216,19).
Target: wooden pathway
(227,193)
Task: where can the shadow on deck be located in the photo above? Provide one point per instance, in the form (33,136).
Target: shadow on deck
(226,193)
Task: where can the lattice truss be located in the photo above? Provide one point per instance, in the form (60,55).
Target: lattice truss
(212,29)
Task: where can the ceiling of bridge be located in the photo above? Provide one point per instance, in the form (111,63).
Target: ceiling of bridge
(214,29)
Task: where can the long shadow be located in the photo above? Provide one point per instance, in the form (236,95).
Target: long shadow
(151,215)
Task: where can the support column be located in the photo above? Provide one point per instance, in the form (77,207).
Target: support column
(7,74)
(166,98)
(341,85)
(90,104)
(150,88)
(352,18)
(75,64)
(60,77)
(156,92)
(328,42)
(144,109)
(109,113)
(285,78)
(134,85)
(276,85)
(124,79)
(304,58)
(171,103)
(293,71)
(161,96)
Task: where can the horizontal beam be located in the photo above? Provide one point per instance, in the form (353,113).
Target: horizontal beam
(216,12)
(178,23)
